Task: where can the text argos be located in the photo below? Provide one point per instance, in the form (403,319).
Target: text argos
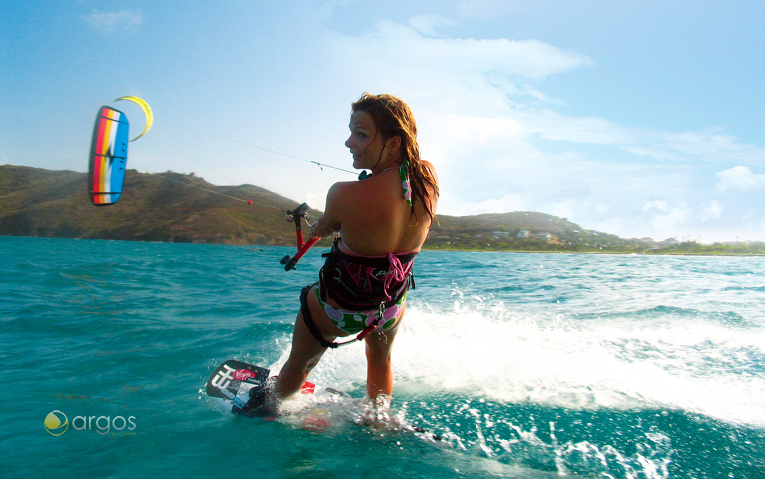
(56,423)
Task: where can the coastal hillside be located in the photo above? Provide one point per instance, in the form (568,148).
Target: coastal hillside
(168,207)
(175,207)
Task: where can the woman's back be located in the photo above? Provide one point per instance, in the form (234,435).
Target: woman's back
(375,219)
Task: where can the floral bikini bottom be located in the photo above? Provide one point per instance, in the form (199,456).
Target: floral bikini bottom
(353,322)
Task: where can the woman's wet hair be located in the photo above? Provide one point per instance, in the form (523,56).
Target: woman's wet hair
(393,117)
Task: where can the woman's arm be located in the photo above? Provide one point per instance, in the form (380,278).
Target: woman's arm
(329,222)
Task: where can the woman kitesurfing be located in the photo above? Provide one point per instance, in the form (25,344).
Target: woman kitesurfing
(381,223)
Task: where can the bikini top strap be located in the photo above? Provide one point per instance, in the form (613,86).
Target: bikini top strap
(379,262)
(401,256)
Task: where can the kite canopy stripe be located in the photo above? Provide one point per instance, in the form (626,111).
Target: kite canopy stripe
(146,111)
(108,156)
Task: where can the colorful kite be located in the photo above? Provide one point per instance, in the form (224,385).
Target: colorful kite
(108,156)
(108,152)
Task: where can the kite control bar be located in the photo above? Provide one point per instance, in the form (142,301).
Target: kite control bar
(296,215)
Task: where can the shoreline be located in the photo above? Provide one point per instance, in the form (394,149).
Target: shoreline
(625,253)
(456,250)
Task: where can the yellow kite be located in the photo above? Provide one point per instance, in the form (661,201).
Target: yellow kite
(146,110)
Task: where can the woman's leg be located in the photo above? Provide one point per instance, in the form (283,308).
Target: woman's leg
(379,369)
(306,350)
(304,356)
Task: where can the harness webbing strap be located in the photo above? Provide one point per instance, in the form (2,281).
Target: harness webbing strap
(317,334)
(309,321)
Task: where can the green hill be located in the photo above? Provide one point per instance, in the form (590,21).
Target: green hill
(173,207)
(170,207)
(527,231)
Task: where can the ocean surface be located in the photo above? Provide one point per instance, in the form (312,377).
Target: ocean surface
(527,366)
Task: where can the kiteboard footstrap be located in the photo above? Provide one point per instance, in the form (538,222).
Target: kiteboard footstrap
(261,403)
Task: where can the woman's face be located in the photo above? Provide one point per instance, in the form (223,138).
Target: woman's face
(365,143)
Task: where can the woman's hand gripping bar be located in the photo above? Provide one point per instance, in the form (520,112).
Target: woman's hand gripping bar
(296,215)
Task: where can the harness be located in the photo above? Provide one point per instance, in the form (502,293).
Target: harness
(361,283)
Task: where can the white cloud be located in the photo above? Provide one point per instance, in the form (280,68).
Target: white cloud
(668,219)
(713,211)
(486,79)
(427,24)
(707,146)
(396,54)
(477,131)
(459,207)
(111,21)
(500,145)
(641,142)
(553,126)
(739,178)
(660,205)
(564,209)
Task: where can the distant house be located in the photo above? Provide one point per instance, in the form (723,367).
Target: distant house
(500,234)
(523,234)
(545,237)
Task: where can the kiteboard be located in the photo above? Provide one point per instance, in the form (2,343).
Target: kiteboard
(232,381)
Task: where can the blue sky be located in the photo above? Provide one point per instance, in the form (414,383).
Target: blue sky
(637,118)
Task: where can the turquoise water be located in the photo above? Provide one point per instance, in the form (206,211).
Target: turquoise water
(528,365)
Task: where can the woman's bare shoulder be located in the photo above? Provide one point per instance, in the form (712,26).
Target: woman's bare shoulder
(340,189)
(347,198)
